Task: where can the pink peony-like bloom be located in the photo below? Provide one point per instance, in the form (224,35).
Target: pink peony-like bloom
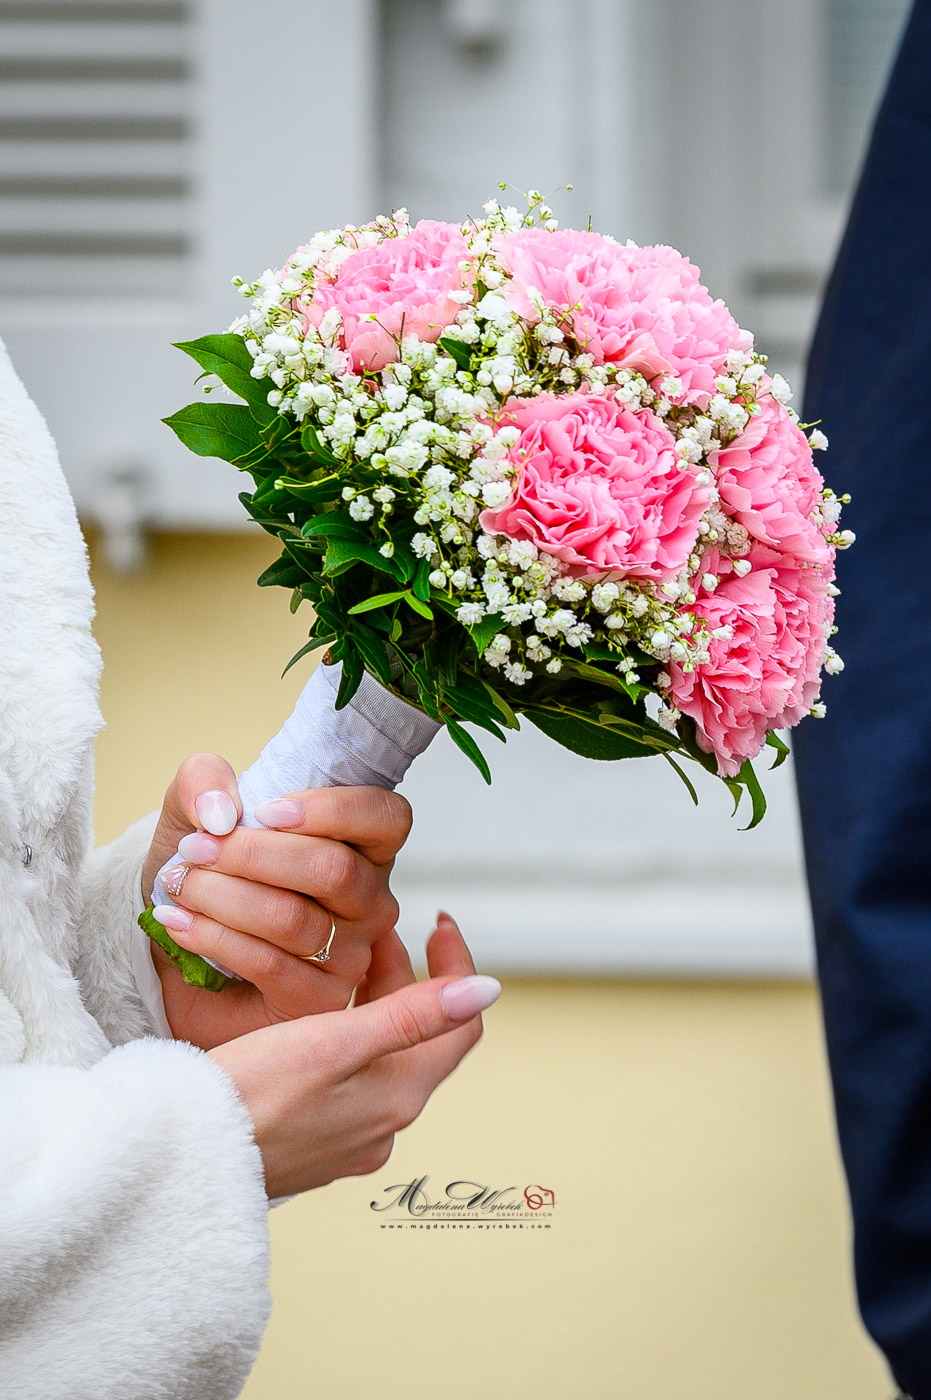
(641,307)
(404,283)
(769,483)
(599,487)
(767,675)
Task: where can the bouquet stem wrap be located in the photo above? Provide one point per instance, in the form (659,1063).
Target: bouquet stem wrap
(371,742)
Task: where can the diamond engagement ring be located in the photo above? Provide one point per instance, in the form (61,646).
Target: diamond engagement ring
(322,955)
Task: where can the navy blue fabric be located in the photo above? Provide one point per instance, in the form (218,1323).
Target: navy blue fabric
(864,773)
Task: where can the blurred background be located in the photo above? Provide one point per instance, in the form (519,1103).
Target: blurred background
(656,1060)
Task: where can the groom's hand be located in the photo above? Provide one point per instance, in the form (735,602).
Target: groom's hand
(261,901)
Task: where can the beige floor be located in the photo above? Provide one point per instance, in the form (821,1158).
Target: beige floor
(698,1248)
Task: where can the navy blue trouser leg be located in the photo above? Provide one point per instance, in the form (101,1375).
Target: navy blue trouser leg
(864,773)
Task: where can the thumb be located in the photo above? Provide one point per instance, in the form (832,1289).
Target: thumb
(416,1013)
(203,795)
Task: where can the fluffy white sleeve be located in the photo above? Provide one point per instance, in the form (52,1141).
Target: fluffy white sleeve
(133,1240)
(119,985)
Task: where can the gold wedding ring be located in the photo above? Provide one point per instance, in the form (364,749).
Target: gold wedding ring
(322,955)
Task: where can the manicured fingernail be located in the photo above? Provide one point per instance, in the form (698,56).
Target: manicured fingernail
(444,918)
(284,811)
(173,878)
(199,848)
(469,996)
(172,917)
(216,812)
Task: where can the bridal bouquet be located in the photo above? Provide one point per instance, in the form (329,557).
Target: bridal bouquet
(518,470)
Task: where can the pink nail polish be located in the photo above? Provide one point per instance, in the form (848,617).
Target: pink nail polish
(216,812)
(170,916)
(199,848)
(283,812)
(172,879)
(469,996)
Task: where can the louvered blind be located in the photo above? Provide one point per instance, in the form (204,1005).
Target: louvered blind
(95,130)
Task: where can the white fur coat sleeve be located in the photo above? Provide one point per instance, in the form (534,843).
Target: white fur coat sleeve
(133,1240)
(113,964)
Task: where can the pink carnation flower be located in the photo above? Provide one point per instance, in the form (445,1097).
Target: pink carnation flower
(768,674)
(404,283)
(599,487)
(640,307)
(769,484)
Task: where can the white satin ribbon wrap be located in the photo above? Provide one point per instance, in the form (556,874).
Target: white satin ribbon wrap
(371,742)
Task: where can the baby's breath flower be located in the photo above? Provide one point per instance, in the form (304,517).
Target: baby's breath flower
(423,546)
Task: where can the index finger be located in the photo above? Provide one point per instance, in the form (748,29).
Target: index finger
(404,1020)
(374,820)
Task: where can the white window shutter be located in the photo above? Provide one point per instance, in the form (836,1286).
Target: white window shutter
(149,150)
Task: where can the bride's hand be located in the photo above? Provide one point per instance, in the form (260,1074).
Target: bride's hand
(260,902)
(328,1093)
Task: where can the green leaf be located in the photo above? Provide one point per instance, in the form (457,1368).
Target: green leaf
(270,500)
(463,739)
(224,430)
(337,524)
(641,731)
(587,737)
(325,488)
(418,606)
(476,709)
(735,790)
(484,632)
(405,563)
(594,673)
(343,554)
(374,652)
(327,613)
(269,521)
(426,687)
(597,651)
(228,358)
(775,741)
(683,775)
(379,601)
(500,704)
(421,584)
(445,648)
(473,692)
(351,677)
(458,350)
(284,573)
(195,971)
(752,783)
(314,644)
(380,619)
(315,447)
